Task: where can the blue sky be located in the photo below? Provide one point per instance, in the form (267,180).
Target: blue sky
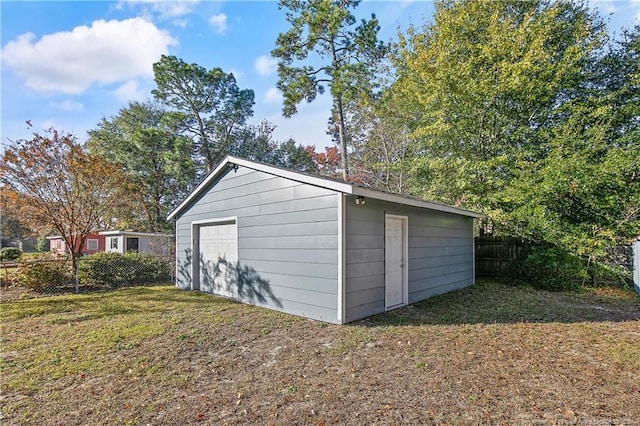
(67,64)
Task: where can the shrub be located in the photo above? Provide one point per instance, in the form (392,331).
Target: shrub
(42,244)
(39,276)
(547,268)
(10,253)
(615,275)
(117,270)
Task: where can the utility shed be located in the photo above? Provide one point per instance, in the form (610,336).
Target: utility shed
(316,247)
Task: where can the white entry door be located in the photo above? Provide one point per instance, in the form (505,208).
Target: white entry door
(395,261)
(218,251)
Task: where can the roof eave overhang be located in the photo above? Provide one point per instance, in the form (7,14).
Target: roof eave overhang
(393,198)
(341,187)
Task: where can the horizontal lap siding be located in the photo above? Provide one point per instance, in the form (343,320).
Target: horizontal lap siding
(440,254)
(287,235)
(364,274)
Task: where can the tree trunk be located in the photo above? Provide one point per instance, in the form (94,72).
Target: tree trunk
(342,136)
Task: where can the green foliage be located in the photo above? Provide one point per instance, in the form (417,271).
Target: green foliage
(117,270)
(547,268)
(296,157)
(613,275)
(154,155)
(12,221)
(257,144)
(205,104)
(585,193)
(381,151)
(40,275)
(521,110)
(348,52)
(42,244)
(10,253)
(585,199)
(479,86)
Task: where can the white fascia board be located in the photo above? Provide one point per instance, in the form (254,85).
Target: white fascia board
(292,175)
(393,198)
(110,233)
(199,188)
(276,171)
(341,187)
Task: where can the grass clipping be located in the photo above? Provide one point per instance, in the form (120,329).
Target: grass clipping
(158,355)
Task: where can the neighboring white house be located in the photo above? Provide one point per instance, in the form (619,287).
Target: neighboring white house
(138,242)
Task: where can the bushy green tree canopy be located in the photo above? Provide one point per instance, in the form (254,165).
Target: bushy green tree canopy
(524,111)
(206,104)
(156,157)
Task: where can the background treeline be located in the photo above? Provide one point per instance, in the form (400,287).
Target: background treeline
(526,111)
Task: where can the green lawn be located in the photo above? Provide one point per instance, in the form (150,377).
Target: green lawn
(158,355)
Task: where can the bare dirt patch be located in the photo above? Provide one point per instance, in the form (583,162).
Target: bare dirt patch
(489,354)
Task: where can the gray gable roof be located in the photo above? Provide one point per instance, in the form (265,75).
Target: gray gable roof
(322,182)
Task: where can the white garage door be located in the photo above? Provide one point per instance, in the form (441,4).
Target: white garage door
(218,246)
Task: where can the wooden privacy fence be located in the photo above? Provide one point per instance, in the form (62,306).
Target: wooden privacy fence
(494,254)
(636,266)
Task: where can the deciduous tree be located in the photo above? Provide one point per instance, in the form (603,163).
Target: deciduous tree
(517,109)
(481,85)
(63,187)
(381,149)
(585,193)
(157,159)
(12,225)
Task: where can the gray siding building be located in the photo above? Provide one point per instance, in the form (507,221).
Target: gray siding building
(316,247)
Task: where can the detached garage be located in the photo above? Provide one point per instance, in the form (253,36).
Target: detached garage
(316,247)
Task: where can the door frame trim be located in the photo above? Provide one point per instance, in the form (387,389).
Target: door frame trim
(342,258)
(405,257)
(195,244)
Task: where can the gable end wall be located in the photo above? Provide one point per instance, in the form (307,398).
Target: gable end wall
(287,236)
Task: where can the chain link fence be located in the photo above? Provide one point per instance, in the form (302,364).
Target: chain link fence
(50,275)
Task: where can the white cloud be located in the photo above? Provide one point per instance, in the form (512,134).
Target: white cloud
(219,21)
(273,96)
(129,91)
(72,61)
(49,123)
(68,105)
(265,65)
(171,9)
(635,4)
(165,9)
(180,23)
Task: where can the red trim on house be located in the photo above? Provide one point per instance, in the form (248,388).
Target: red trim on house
(57,244)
